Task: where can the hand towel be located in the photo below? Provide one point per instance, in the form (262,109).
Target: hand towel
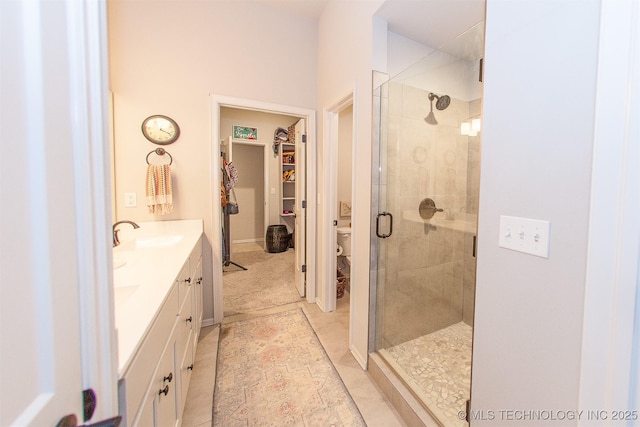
(159,189)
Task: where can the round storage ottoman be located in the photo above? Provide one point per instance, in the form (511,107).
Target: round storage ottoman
(277,238)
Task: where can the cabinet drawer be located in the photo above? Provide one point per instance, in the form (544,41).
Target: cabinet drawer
(185,324)
(185,282)
(186,368)
(136,381)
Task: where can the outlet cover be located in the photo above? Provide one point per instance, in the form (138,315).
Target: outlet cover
(130,200)
(530,236)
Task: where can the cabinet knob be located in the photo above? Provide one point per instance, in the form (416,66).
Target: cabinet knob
(190,367)
(164,391)
(187,280)
(199,281)
(168,378)
(190,319)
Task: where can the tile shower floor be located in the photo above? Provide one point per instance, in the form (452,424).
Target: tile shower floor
(437,367)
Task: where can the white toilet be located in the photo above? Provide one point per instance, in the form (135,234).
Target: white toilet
(344,242)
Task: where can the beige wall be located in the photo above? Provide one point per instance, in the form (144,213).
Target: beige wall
(166,57)
(345,37)
(345,162)
(266,123)
(248,224)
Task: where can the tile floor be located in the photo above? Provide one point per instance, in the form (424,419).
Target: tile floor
(332,330)
(437,367)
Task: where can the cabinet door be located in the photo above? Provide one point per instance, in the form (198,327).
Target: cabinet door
(146,414)
(165,388)
(186,368)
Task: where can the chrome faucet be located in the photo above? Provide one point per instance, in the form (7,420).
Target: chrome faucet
(116,241)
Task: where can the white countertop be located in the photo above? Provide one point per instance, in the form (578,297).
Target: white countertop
(153,257)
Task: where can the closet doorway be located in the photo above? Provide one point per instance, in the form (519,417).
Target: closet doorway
(252,159)
(259,194)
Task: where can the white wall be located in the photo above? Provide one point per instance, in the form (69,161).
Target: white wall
(242,49)
(540,81)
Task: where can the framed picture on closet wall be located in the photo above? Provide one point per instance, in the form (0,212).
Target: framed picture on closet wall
(245,132)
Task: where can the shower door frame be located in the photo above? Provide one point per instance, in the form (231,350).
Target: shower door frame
(380,201)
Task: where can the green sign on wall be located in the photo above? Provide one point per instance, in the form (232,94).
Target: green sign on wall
(244,132)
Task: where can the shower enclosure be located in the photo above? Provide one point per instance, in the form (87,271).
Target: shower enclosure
(426,184)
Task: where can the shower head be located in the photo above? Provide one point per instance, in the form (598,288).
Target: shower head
(431,119)
(442,101)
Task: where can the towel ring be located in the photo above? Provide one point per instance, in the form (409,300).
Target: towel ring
(160,152)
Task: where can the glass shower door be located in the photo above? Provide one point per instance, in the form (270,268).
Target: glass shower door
(428,183)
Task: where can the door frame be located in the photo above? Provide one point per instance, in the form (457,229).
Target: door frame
(327,295)
(265,176)
(78,59)
(610,371)
(218,101)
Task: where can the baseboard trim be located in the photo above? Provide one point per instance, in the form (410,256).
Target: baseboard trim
(362,361)
(257,240)
(207,322)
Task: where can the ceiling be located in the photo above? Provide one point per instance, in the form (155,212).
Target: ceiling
(434,23)
(309,8)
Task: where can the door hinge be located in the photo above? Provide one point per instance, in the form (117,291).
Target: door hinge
(304,204)
(304,137)
(304,268)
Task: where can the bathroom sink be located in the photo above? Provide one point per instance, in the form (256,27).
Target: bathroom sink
(158,241)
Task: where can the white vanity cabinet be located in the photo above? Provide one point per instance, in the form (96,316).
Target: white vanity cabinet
(154,381)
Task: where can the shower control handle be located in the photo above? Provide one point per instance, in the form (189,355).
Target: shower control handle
(384,236)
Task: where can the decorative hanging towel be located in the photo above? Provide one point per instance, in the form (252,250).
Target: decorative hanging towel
(159,189)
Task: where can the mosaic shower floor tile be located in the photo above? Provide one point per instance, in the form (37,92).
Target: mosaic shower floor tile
(437,367)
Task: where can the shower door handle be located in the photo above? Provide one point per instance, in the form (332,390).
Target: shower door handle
(384,236)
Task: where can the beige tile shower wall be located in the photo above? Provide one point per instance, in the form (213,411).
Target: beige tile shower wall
(429,269)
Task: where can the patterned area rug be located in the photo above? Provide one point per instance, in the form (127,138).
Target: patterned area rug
(268,282)
(273,371)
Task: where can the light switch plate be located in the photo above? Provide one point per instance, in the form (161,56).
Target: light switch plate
(130,200)
(530,236)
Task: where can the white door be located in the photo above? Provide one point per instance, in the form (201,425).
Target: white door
(44,365)
(300,211)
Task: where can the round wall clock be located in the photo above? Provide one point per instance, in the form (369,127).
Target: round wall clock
(160,129)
